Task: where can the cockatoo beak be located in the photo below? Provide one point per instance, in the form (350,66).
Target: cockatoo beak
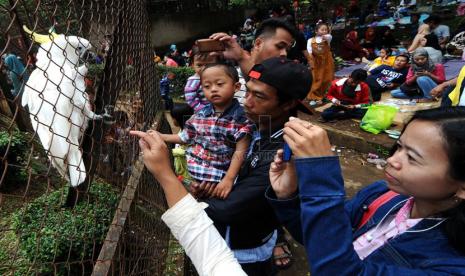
(89,57)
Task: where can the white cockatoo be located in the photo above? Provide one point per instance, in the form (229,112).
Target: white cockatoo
(57,102)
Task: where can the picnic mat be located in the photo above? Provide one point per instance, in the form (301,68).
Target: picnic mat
(452,68)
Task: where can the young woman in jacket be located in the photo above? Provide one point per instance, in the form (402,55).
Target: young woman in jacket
(418,230)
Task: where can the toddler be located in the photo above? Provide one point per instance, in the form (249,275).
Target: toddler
(320,61)
(218,135)
(193,93)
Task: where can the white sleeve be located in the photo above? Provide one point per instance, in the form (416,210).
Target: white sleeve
(309,45)
(195,231)
(329,38)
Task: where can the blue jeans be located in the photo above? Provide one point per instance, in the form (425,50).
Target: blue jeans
(426,84)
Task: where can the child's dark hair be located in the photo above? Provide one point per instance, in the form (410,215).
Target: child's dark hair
(321,24)
(268,28)
(228,69)
(359,75)
(434,18)
(181,112)
(388,50)
(195,53)
(405,55)
(451,122)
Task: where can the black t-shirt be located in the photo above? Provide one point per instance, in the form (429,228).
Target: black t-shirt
(246,210)
(384,75)
(295,53)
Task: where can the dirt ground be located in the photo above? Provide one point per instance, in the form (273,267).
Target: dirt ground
(357,174)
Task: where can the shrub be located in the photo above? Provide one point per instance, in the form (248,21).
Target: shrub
(13,149)
(65,240)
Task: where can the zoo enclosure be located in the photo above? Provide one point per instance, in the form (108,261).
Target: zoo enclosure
(39,233)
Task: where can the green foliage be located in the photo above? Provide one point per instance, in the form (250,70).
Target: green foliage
(181,76)
(14,149)
(50,234)
(95,70)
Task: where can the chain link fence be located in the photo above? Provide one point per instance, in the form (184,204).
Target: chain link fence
(76,76)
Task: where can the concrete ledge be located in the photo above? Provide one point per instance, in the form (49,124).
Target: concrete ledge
(347,133)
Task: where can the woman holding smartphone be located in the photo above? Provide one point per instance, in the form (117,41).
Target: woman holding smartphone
(412,223)
(422,77)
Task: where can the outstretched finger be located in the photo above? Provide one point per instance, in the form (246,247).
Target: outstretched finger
(151,139)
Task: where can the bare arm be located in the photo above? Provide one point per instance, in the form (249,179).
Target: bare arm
(156,160)
(234,51)
(238,157)
(438,90)
(225,186)
(171,138)
(186,218)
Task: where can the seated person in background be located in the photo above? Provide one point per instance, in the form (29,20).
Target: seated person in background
(193,93)
(384,58)
(169,61)
(431,44)
(353,10)
(428,26)
(405,6)
(368,42)
(414,23)
(385,77)
(383,9)
(219,134)
(452,91)
(443,34)
(387,39)
(422,77)
(347,96)
(351,48)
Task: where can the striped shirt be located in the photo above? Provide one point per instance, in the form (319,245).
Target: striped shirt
(240,94)
(212,138)
(193,93)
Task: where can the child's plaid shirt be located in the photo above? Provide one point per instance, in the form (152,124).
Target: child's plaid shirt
(212,138)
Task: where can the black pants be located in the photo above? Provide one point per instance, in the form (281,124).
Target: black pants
(376,94)
(338,112)
(375,89)
(264,268)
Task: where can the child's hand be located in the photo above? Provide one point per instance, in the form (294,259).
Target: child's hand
(349,106)
(223,188)
(423,73)
(336,102)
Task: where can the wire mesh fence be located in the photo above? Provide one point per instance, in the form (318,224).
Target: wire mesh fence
(76,76)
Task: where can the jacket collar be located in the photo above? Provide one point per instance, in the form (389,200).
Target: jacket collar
(343,80)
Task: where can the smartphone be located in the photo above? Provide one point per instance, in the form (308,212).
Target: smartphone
(287,153)
(210,45)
